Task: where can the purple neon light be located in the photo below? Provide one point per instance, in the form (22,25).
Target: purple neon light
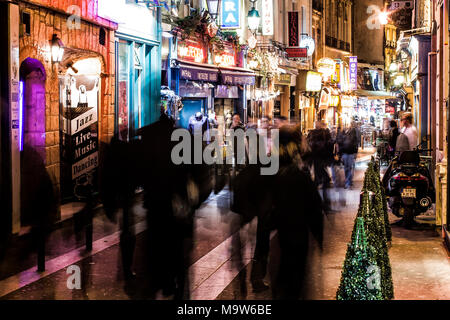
(21,115)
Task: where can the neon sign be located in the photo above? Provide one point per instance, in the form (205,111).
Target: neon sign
(21,115)
(225,60)
(190,52)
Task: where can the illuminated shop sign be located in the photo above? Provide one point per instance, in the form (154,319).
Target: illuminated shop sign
(326,66)
(191,52)
(334,101)
(227,58)
(347,101)
(313,81)
(283,79)
(337,71)
(293,29)
(353,73)
(267,18)
(297,52)
(230,14)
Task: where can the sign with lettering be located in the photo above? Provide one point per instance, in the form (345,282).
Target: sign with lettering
(297,52)
(237,78)
(283,79)
(79,96)
(227,58)
(353,65)
(267,17)
(192,51)
(198,74)
(293,29)
(230,14)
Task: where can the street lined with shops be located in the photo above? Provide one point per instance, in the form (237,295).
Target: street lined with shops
(420,263)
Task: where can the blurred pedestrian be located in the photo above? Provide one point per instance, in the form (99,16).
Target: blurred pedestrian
(297,211)
(321,146)
(349,150)
(393,135)
(337,154)
(38,200)
(409,130)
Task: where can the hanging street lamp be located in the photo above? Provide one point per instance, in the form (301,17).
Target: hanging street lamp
(253,17)
(213,8)
(57,49)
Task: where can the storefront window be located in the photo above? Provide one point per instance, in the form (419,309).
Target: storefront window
(133,70)
(123,89)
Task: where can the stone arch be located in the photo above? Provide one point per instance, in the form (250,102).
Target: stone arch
(33,156)
(33,76)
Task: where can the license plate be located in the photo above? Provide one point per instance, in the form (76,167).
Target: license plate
(409,193)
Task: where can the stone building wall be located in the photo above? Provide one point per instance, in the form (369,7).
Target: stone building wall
(79,44)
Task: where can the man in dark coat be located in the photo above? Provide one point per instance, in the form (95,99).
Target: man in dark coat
(349,149)
(321,146)
(298,210)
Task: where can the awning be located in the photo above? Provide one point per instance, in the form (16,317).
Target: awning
(197,71)
(374,95)
(237,76)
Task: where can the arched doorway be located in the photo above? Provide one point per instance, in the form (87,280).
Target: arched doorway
(37,197)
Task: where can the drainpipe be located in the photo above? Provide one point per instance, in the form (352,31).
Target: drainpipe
(431,56)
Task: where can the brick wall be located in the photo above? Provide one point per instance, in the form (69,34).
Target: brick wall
(80,43)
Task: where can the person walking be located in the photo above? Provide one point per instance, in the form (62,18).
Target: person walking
(393,135)
(409,130)
(349,150)
(321,146)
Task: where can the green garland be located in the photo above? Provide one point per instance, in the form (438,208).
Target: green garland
(196,24)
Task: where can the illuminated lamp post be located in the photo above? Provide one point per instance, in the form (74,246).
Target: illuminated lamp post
(253,18)
(213,8)
(57,49)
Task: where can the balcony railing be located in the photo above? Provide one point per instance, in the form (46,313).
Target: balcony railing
(338,44)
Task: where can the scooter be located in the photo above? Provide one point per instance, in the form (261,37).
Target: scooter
(409,186)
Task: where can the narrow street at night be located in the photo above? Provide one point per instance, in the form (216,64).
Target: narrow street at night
(224,159)
(215,275)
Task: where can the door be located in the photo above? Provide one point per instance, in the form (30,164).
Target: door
(190,107)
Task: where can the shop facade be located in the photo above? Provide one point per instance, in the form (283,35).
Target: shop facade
(62,107)
(214,84)
(137,47)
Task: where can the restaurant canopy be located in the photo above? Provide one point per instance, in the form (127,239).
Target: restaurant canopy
(237,76)
(197,71)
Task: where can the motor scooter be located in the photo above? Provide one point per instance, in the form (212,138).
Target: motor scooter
(409,186)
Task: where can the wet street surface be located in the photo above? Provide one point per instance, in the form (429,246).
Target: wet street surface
(420,263)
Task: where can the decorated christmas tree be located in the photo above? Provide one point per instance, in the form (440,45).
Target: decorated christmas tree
(360,278)
(382,195)
(375,226)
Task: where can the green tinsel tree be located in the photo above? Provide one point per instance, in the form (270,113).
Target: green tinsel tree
(374,219)
(380,188)
(356,278)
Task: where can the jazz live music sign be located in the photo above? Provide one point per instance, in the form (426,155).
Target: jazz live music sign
(230,14)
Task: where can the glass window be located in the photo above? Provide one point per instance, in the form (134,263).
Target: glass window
(123,92)
(133,77)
